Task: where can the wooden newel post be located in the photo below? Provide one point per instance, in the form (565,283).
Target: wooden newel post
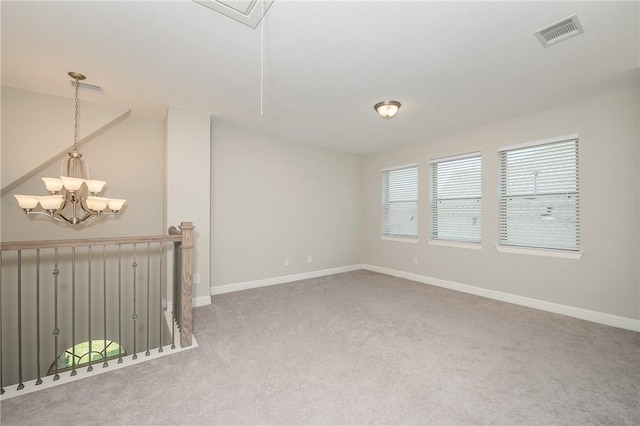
(186,317)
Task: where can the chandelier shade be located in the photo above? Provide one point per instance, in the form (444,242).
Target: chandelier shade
(71,183)
(52,184)
(50,202)
(68,201)
(95,186)
(97,204)
(27,202)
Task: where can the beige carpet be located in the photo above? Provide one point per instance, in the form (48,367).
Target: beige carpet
(364,348)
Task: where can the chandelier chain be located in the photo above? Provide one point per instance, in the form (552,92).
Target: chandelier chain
(75,119)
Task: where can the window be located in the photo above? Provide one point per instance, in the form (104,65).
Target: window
(400,202)
(456,198)
(539,195)
(86,353)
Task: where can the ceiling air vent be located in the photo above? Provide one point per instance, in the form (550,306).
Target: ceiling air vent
(88,87)
(559,31)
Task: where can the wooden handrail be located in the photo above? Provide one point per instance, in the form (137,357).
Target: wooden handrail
(84,242)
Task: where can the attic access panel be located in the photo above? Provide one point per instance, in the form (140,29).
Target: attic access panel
(248,12)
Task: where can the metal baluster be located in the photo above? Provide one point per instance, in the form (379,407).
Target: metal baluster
(104,301)
(119,303)
(20,384)
(1,375)
(160,297)
(90,368)
(73,311)
(39,380)
(147,353)
(56,330)
(176,299)
(134,316)
(177,305)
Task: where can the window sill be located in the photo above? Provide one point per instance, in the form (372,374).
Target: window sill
(457,244)
(400,239)
(540,252)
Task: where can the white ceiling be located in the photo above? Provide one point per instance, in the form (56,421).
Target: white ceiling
(452,65)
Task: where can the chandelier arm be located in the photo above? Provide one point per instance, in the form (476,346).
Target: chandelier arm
(64,204)
(44,213)
(54,216)
(88,215)
(82,206)
(73,220)
(59,218)
(74,202)
(87,218)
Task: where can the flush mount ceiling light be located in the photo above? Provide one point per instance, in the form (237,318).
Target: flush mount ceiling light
(68,201)
(387,109)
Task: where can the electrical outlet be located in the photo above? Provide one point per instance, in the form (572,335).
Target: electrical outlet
(415,260)
(286,262)
(196,278)
(309,259)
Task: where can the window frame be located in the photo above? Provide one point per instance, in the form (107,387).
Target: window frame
(385,202)
(435,231)
(546,248)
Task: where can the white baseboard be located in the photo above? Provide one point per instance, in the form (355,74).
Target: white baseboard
(571,311)
(195,302)
(228,288)
(200,301)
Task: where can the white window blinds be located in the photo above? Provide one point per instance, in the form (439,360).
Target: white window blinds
(539,195)
(456,198)
(400,202)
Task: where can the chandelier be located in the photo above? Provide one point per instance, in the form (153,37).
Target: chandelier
(74,198)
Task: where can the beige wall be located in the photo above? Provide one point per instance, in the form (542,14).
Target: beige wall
(128,156)
(187,185)
(605,279)
(274,200)
(37,127)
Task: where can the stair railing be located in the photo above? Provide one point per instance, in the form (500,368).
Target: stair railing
(63,303)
